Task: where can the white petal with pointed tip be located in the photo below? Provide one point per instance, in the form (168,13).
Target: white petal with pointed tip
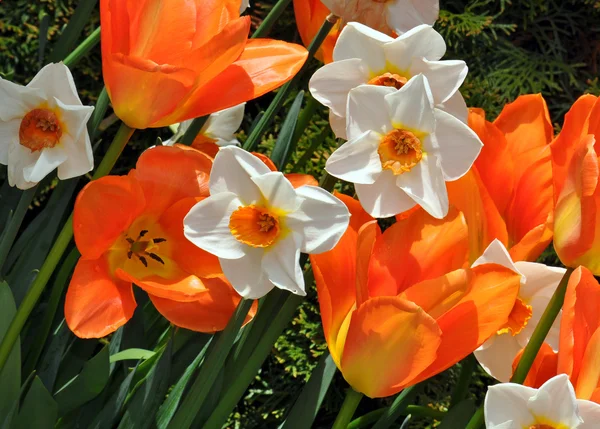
(320,221)
(425,184)
(224,123)
(246,274)
(411,107)
(496,253)
(456,106)
(19,158)
(368,111)
(46,162)
(383,198)
(338,125)
(56,81)
(420,42)
(497,354)
(207,226)
(80,160)
(508,402)
(331,84)
(277,191)
(402,15)
(9,135)
(281,264)
(590,413)
(555,400)
(231,172)
(357,161)
(444,77)
(359,41)
(17,100)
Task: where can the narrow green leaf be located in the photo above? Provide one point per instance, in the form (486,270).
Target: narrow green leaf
(112,410)
(142,408)
(459,415)
(39,410)
(67,40)
(52,357)
(307,405)
(8,420)
(43,37)
(87,385)
(283,146)
(397,408)
(10,376)
(132,354)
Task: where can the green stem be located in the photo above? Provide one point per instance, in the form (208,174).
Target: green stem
(541,330)
(265,27)
(398,407)
(468,366)
(348,409)
(477,420)
(282,94)
(193,130)
(57,251)
(12,229)
(98,115)
(414,410)
(81,51)
(210,369)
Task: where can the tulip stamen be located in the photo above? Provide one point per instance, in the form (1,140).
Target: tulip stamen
(142,248)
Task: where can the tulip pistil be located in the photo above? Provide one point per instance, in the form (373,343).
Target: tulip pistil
(389,79)
(40,129)
(399,151)
(143,249)
(254,226)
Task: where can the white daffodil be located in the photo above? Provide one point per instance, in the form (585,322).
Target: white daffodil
(245,5)
(402,150)
(388,16)
(219,128)
(365,56)
(43,127)
(538,284)
(552,406)
(257,224)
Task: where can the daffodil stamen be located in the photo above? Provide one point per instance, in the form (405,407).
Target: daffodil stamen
(254,226)
(389,79)
(40,129)
(400,151)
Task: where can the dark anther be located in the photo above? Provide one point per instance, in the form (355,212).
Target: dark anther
(130,240)
(143,261)
(155,257)
(129,254)
(143,232)
(159,240)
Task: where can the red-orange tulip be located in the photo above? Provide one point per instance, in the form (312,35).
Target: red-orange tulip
(129,229)
(508,192)
(576,190)
(395,308)
(165,61)
(310,15)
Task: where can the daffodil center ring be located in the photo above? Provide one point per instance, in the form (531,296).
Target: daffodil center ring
(400,151)
(254,226)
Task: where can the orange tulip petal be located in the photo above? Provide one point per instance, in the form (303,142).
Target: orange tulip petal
(417,248)
(543,368)
(389,342)
(358,215)
(104,209)
(310,15)
(180,286)
(208,148)
(580,319)
(168,174)
(212,16)
(263,66)
(190,258)
(589,375)
(469,306)
(97,304)
(264,158)
(297,180)
(367,237)
(533,244)
(209,313)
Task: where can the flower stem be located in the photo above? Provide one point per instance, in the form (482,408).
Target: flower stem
(348,409)
(415,410)
(193,130)
(265,121)
(57,251)
(11,230)
(398,407)
(265,27)
(81,51)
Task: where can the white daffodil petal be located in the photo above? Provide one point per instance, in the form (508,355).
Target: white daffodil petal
(496,253)
(508,401)
(321,219)
(456,106)
(231,172)
(207,226)
(331,84)
(338,125)
(411,107)
(278,192)
(425,184)
(368,111)
(56,81)
(246,274)
(538,304)
(281,264)
(9,135)
(444,77)
(16,100)
(420,42)
(459,145)
(223,143)
(20,157)
(590,413)
(383,198)
(402,15)
(47,162)
(357,161)
(359,41)
(224,123)
(80,158)
(555,401)
(497,358)
(542,280)
(75,117)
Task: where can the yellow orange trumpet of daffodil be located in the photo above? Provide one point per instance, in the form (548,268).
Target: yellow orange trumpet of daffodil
(165,61)
(395,308)
(508,194)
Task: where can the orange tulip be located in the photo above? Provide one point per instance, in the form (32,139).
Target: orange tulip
(576,190)
(579,346)
(396,310)
(129,229)
(165,61)
(508,192)
(310,15)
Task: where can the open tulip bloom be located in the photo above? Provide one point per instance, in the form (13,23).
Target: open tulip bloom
(402,149)
(43,128)
(552,406)
(365,56)
(257,224)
